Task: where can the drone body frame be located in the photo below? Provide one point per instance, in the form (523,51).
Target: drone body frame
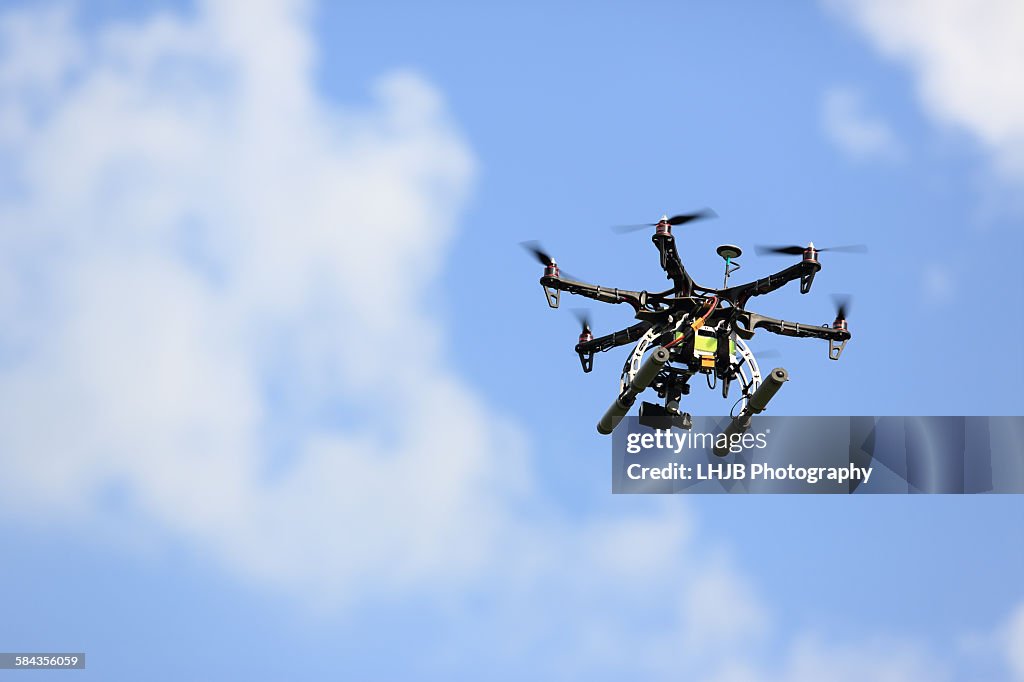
(703,330)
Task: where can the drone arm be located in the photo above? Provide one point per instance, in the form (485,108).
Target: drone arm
(752,321)
(672,264)
(602,294)
(803,271)
(609,341)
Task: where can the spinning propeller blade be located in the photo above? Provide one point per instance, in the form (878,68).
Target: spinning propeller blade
(542,257)
(764,250)
(689,217)
(545,259)
(849,248)
(794,250)
(842,303)
(583,316)
(674,220)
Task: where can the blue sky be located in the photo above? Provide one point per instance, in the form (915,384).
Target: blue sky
(280,396)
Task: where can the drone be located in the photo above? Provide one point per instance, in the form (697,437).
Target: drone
(691,329)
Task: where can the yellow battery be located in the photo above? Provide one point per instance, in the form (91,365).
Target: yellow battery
(707,342)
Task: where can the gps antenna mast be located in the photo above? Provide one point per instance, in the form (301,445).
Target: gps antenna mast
(730,253)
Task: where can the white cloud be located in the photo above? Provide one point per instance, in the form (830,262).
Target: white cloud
(1012,640)
(214,326)
(967,58)
(188,227)
(853,130)
(999,650)
(811,660)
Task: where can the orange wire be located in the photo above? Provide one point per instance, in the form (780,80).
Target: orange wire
(711,308)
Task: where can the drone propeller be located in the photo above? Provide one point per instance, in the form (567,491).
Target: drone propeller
(842,303)
(586,336)
(583,316)
(545,259)
(674,220)
(794,250)
(542,256)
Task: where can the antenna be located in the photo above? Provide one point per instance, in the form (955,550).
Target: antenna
(730,253)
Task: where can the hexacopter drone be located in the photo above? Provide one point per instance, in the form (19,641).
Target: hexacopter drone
(694,329)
